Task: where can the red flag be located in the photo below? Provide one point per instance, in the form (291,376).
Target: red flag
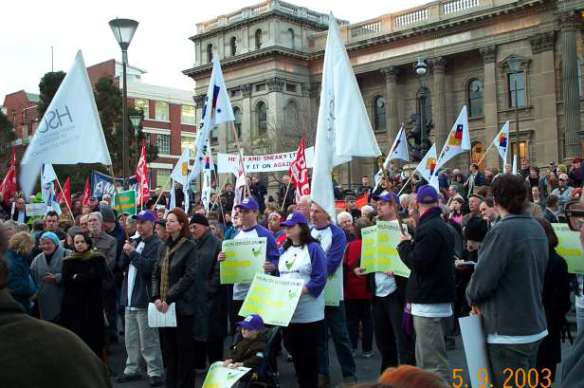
(299,173)
(65,195)
(362,200)
(86,193)
(142,178)
(8,185)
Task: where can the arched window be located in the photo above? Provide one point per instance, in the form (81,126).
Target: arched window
(379,113)
(236,123)
(233,45)
(262,118)
(258,39)
(291,35)
(291,114)
(475,98)
(209,52)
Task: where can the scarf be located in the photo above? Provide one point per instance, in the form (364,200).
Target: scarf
(165,267)
(85,256)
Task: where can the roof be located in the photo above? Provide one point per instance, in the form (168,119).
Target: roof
(33,97)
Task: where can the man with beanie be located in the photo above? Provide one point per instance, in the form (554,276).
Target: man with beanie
(138,260)
(431,287)
(210,318)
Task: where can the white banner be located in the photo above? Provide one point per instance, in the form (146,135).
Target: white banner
(227,163)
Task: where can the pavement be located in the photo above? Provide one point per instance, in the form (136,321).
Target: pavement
(367,369)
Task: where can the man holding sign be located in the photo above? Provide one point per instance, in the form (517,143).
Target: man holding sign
(248,216)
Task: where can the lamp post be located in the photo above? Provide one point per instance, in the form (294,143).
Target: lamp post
(421,68)
(124,30)
(515,67)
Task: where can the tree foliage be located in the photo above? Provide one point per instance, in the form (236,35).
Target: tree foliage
(48,86)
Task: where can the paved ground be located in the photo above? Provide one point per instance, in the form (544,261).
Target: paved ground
(367,369)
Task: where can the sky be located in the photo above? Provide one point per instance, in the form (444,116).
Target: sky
(160,46)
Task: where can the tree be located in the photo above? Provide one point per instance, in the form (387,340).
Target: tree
(48,86)
(6,138)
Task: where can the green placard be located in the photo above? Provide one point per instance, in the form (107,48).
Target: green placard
(125,202)
(219,376)
(570,248)
(333,291)
(272,298)
(243,259)
(379,249)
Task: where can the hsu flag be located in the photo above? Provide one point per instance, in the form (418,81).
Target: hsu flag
(501,141)
(343,129)
(69,132)
(458,140)
(217,110)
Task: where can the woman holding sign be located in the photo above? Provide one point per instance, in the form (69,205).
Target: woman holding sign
(173,282)
(303,258)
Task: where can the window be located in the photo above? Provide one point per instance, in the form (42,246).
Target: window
(236,123)
(163,143)
(523,151)
(235,93)
(291,115)
(161,111)
(291,88)
(260,87)
(258,39)
(291,35)
(262,118)
(215,134)
(475,98)
(163,178)
(379,113)
(187,142)
(141,104)
(516,84)
(233,45)
(209,52)
(187,115)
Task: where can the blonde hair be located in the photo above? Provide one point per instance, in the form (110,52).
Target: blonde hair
(22,243)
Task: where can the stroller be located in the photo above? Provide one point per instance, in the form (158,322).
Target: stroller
(265,375)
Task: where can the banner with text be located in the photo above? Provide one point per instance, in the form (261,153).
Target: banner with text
(243,259)
(570,248)
(227,163)
(378,251)
(104,184)
(272,298)
(125,202)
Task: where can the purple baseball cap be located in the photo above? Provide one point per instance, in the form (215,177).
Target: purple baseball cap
(426,194)
(252,322)
(387,196)
(146,215)
(248,204)
(294,218)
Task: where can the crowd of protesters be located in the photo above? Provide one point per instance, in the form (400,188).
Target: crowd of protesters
(481,244)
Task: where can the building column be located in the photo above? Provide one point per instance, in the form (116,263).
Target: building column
(439,102)
(391,99)
(246,116)
(571,94)
(489,55)
(544,98)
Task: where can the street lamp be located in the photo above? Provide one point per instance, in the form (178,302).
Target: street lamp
(136,119)
(124,30)
(514,64)
(421,68)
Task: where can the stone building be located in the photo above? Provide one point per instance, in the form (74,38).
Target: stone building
(516,60)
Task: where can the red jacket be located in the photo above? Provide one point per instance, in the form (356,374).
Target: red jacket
(355,286)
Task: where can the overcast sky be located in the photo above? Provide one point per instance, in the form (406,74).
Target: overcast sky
(160,46)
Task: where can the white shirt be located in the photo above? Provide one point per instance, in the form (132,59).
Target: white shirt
(384,284)
(132,271)
(240,289)
(437,310)
(515,339)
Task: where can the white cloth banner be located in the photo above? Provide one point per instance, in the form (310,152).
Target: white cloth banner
(227,163)
(70,131)
(158,319)
(475,350)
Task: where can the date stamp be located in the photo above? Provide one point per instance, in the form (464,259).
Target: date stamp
(513,378)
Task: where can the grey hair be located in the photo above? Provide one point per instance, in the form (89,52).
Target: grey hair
(96,214)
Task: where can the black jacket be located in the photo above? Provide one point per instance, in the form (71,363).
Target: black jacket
(181,280)
(144,263)
(431,258)
(249,351)
(210,317)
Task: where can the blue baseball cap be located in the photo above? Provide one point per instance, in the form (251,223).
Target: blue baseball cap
(387,196)
(294,218)
(426,194)
(252,322)
(146,215)
(248,204)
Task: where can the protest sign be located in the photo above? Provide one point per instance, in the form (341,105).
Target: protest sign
(570,248)
(36,209)
(125,202)
(219,376)
(379,249)
(243,259)
(102,184)
(333,291)
(272,298)
(475,350)
(227,163)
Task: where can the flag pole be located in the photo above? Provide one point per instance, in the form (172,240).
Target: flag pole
(285,195)
(111,170)
(236,137)
(66,203)
(485,154)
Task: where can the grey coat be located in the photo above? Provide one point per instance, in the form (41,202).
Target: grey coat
(507,283)
(50,296)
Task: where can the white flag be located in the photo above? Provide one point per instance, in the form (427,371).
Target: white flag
(48,178)
(399,149)
(48,174)
(514,170)
(458,140)
(70,131)
(428,166)
(344,129)
(217,110)
(180,172)
(501,142)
